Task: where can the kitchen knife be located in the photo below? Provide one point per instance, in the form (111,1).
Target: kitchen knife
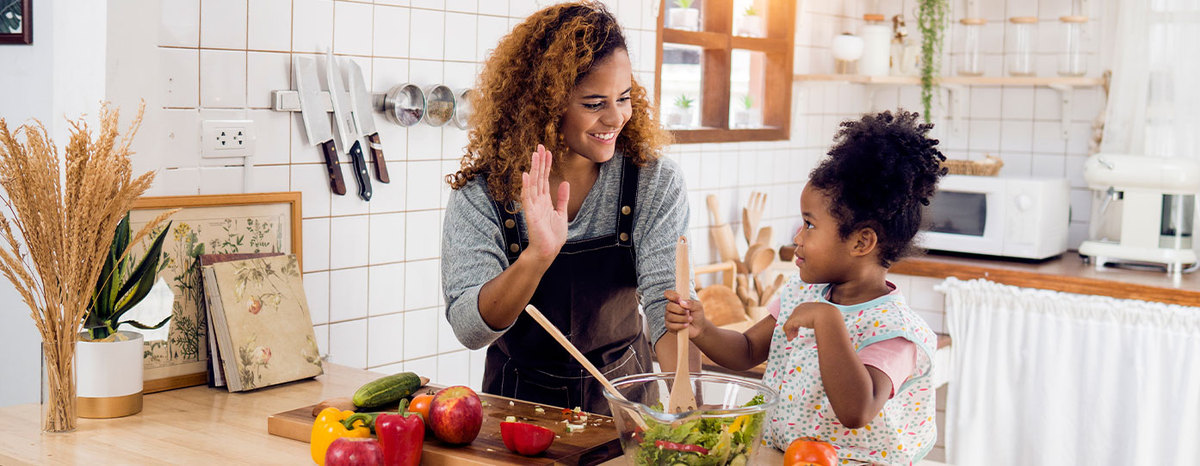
(365,111)
(316,120)
(347,132)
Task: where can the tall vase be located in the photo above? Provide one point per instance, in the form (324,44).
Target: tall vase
(58,397)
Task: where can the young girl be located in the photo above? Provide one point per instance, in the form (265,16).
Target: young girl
(850,360)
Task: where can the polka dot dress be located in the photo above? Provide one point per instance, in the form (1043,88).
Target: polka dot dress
(903,432)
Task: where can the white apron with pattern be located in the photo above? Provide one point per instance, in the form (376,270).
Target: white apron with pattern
(903,432)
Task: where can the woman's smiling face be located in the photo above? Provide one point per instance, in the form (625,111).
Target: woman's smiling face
(599,107)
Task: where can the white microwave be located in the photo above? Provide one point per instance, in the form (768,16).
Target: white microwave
(1023,218)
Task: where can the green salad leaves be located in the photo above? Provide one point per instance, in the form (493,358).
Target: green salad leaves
(700,442)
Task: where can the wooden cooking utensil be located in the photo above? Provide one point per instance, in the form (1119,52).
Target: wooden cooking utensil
(722,305)
(682,398)
(752,214)
(583,360)
(764,235)
(722,233)
(769,293)
(759,258)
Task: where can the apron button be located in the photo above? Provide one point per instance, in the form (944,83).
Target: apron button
(510,223)
(624,236)
(514,247)
(625,210)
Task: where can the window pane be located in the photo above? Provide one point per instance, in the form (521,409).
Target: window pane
(683,14)
(746,88)
(681,91)
(749,18)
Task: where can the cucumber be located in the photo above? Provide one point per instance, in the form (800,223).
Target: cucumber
(387,390)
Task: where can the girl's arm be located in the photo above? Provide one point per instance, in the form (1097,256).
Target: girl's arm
(857,392)
(737,351)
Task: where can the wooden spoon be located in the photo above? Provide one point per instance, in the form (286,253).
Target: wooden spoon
(764,236)
(759,258)
(682,398)
(583,360)
(769,293)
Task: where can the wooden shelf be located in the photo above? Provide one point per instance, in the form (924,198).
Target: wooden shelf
(959,80)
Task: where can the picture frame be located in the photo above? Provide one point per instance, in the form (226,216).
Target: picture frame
(16,22)
(222,223)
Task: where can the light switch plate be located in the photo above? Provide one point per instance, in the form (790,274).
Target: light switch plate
(227,138)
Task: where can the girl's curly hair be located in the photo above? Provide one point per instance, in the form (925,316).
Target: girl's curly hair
(525,88)
(880,172)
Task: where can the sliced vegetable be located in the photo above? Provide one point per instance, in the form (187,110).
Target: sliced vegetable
(680,447)
(332,424)
(386,390)
(526,439)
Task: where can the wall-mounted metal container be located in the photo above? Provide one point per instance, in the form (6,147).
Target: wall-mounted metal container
(462,107)
(405,104)
(439,105)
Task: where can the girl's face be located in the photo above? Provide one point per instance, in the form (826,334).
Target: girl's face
(821,253)
(599,107)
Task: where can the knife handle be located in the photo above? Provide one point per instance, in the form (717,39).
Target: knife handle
(335,171)
(360,171)
(381,173)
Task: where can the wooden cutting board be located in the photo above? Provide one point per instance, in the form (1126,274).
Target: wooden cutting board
(595,444)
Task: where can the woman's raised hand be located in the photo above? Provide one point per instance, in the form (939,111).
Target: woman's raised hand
(545,219)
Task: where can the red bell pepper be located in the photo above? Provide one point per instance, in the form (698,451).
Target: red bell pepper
(526,439)
(348,451)
(663,444)
(402,436)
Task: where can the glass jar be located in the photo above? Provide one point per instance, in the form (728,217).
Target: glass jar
(1071,61)
(877,44)
(906,54)
(1020,45)
(970,61)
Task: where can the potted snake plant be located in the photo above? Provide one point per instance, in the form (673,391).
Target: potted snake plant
(109,360)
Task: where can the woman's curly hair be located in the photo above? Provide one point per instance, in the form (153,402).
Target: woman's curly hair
(525,88)
(880,172)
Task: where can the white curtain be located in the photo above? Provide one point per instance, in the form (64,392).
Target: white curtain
(1154,104)
(1046,378)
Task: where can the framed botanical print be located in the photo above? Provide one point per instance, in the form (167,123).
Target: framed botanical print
(209,224)
(16,22)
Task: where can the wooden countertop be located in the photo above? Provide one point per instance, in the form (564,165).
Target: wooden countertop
(1066,273)
(196,425)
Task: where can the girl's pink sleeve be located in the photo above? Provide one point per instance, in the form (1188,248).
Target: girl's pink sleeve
(773,307)
(896,357)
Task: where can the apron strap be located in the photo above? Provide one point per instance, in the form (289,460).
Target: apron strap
(627,202)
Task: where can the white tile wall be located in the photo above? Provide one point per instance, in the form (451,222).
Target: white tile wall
(372,271)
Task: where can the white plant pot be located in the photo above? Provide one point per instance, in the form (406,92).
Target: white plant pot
(109,377)
(679,118)
(687,19)
(749,26)
(741,119)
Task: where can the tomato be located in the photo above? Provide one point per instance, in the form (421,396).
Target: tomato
(420,405)
(808,451)
(526,439)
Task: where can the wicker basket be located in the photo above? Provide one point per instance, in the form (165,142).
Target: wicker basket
(990,166)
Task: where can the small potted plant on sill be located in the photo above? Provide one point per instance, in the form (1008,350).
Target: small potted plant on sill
(109,361)
(681,115)
(683,16)
(750,23)
(742,117)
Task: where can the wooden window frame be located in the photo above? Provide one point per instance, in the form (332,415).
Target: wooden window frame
(718,42)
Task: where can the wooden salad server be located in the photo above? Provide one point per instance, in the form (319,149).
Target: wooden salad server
(682,398)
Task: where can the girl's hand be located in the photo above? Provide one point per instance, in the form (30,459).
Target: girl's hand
(685,314)
(545,219)
(809,315)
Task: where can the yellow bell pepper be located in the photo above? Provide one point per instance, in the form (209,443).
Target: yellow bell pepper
(332,424)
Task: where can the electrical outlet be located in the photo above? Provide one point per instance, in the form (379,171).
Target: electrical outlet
(227,138)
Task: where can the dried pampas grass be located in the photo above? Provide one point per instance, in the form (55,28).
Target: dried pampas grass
(62,215)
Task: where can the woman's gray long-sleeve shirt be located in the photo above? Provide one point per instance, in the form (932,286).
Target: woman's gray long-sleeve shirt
(473,242)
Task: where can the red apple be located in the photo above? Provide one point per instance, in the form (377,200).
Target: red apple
(456,415)
(348,451)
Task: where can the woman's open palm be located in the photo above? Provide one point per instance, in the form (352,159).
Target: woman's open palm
(545,219)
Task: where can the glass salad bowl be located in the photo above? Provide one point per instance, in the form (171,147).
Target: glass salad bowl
(725,429)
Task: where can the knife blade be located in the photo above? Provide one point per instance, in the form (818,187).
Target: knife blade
(316,119)
(347,128)
(365,111)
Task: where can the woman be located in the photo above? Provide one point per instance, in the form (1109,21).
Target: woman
(581,228)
